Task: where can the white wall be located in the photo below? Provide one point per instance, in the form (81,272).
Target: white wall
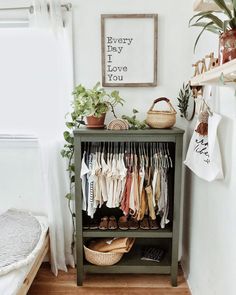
(174,50)
(21,61)
(209,239)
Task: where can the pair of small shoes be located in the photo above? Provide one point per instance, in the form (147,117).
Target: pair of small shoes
(108,223)
(124,223)
(90,224)
(148,223)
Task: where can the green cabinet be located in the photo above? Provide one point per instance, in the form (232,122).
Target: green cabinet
(167,238)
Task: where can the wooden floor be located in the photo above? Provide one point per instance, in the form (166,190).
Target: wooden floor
(65,284)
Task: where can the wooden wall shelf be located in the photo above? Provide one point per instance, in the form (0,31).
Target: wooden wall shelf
(228,70)
(201,5)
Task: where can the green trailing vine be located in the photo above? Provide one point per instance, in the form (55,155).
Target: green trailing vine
(134,122)
(68,152)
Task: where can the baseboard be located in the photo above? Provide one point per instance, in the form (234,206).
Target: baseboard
(186,276)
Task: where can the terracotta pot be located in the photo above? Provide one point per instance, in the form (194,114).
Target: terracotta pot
(228,45)
(95,122)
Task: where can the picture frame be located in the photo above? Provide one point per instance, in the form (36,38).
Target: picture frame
(129,50)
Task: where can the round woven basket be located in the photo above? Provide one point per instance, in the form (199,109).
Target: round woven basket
(102,258)
(161,119)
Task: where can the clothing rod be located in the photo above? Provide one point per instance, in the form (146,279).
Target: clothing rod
(67,6)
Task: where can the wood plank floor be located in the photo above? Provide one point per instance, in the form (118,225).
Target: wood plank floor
(133,284)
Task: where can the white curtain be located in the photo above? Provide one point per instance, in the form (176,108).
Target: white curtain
(55,187)
(36,77)
(48,17)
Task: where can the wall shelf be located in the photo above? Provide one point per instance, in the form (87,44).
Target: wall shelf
(228,70)
(201,5)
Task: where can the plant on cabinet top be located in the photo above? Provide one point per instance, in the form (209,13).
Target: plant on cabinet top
(94,102)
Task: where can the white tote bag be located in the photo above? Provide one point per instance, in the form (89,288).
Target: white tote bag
(203,156)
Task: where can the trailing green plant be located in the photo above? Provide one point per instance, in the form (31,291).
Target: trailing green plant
(68,152)
(95,101)
(209,20)
(185,94)
(134,122)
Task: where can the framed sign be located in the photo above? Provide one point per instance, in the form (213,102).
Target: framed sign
(129,50)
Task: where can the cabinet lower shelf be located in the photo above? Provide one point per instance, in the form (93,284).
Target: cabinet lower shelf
(131,263)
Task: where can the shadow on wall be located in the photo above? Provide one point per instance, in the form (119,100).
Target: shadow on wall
(225,136)
(186,220)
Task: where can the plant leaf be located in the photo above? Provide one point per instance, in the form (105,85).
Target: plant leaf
(232,23)
(208,28)
(69,196)
(200,14)
(224,7)
(216,21)
(226,23)
(234,7)
(68,137)
(198,37)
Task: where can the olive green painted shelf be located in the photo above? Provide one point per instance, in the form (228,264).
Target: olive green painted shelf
(168,238)
(139,233)
(132,263)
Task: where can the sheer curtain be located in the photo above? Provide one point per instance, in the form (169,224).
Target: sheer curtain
(48,17)
(37,81)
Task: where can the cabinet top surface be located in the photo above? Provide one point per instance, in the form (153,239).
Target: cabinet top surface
(171,131)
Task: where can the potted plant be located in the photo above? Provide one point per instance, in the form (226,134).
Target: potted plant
(225,27)
(94,104)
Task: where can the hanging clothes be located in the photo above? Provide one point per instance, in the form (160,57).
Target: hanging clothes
(129,176)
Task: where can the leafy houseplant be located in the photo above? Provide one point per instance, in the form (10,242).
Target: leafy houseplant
(86,102)
(94,103)
(225,27)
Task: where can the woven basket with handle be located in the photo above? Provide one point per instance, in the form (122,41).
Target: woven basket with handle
(161,119)
(101,258)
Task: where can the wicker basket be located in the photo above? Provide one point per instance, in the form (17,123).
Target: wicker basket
(161,119)
(102,258)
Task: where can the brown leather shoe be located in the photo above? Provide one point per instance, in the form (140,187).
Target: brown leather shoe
(153,224)
(144,224)
(104,223)
(123,223)
(133,223)
(112,224)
